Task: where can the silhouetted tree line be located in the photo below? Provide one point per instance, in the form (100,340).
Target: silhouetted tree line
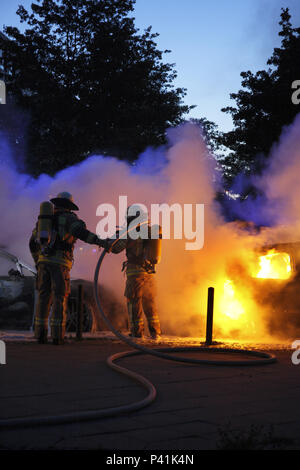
(90,83)
(87,81)
(263,107)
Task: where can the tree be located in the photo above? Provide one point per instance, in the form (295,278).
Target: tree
(90,82)
(263,106)
(212,135)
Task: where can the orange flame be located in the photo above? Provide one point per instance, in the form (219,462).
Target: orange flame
(274,265)
(231,305)
(233,309)
(237,314)
(236,307)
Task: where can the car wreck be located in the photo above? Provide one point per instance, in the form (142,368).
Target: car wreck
(18,297)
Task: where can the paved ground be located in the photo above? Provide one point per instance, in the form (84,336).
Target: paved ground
(197,407)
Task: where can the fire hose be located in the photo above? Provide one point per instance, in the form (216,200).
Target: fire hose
(162,353)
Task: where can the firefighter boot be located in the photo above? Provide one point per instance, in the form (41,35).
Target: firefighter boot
(43,337)
(58,341)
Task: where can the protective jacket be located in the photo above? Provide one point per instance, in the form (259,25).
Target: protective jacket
(140,290)
(135,251)
(68,228)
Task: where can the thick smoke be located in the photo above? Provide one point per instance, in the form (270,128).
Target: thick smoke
(277,201)
(182,172)
(281,180)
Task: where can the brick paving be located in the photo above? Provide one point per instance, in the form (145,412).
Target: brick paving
(197,407)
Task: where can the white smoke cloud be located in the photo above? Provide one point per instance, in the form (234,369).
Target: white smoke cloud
(280,180)
(183,172)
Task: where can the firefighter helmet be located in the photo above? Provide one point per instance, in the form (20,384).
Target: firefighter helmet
(65,200)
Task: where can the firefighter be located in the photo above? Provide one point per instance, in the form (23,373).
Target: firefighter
(140,290)
(54,262)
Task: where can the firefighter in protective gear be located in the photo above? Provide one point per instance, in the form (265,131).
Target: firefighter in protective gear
(54,265)
(140,290)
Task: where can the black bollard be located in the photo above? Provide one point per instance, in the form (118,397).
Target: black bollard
(210,314)
(79,325)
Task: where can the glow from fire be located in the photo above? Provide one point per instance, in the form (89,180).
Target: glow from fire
(274,265)
(232,307)
(236,308)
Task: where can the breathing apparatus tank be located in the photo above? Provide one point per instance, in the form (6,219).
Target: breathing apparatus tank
(152,253)
(45,225)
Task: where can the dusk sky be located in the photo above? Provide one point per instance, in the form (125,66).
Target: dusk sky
(211,43)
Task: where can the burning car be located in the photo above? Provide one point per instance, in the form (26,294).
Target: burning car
(276,286)
(266,293)
(18,296)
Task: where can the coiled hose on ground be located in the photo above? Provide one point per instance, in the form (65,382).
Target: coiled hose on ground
(163,353)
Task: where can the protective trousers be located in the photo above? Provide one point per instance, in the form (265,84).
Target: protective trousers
(140,292)
(53,285)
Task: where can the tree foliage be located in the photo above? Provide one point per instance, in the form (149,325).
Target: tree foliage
(211,134)
(263,106)
(90,82)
